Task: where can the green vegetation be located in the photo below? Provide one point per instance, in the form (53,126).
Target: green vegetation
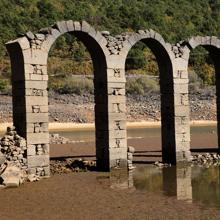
(174,20)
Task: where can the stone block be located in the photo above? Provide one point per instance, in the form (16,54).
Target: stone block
(118,107)
(183,137)
(37,138)
(181,88)
(182,120)
(115,62)
(183,156)
(118,143)
(38,57)
(31,150)
(62,26)
(28,68)
(181,99)
(36,92)
(35,109)
(180,74)
(38,161)
(178,81)
(182,110)
(117,125)
(116,99)
(36,84)
(116,116)
(159,38)
(37,117)
(50,40)
(180,64)
(182,129)
(117,85)
(36,100)
(215,41)
(116,75)
(77,26)
(47,171)
(194,42)
(134,38)
(70,26)
(118,153)
(116,91)
(24,43)
(37,127)
(206,40)
(85,27)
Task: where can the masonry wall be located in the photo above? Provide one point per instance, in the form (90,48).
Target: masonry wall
(30,91)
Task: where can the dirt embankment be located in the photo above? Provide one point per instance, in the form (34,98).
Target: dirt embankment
(80,109)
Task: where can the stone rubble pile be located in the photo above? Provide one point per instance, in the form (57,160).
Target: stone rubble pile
(57,139)
(71,165)
(14,148)
(36,40)
(131,151)
(115,44)
(207,159)
(13,160)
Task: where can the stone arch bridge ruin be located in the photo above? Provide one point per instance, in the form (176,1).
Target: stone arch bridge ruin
(29,55)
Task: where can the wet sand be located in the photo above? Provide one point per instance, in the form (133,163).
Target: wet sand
(89,196)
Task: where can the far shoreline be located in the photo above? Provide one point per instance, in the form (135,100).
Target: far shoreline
(56,126)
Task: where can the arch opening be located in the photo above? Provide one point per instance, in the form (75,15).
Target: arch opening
(100,96)
(166,98)
(204,96)
(29,57)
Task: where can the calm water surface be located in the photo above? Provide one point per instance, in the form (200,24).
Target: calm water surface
(89,135)
(190,184)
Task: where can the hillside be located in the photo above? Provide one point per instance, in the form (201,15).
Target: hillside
(174,20)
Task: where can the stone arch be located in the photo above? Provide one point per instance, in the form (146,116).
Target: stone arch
(212,45)
(29,55)
(171,150)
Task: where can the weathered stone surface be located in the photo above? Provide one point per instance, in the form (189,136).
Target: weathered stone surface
(38,161)
(13,176)
(31,102)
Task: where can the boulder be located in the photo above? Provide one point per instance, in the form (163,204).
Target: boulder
(12,176)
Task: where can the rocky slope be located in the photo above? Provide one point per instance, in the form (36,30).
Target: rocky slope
(80,109)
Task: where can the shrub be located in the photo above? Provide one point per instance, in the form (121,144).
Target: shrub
(142,85)
(195,82)
(73,85)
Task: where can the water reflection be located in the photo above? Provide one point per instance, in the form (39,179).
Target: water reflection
(191,184)
(177,182)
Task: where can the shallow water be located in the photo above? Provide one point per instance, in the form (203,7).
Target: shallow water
(89,135)
(190,184)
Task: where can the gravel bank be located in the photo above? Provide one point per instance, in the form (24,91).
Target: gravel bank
(80,109)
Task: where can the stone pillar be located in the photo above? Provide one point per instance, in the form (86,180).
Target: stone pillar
(117,114)
(30,101)
(181,103)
